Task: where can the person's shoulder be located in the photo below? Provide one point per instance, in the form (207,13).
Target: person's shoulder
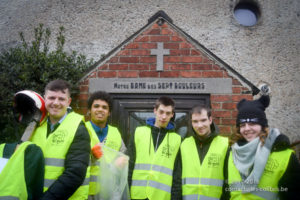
(142,127)
(188,138)
(82,132)
(223,138)
(282,142)
(78,115)
(175,135)
(33,150)
(112,128)
(33,145)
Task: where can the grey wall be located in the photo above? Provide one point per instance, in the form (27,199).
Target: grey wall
(266,53)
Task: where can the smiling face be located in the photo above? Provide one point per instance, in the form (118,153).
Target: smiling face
(99,112)
(201,123)
(163,115)
(56,103)
(250,131)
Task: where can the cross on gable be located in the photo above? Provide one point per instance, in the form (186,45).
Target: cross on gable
(160,52)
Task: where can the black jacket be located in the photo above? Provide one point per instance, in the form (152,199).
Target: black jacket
(158,134)
(289,181)
(203,144)
(33,168)
(76,163)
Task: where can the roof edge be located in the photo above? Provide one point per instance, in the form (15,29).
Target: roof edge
(159,14)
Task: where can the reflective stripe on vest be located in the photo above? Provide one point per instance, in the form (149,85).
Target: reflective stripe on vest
(49,182)
(113,140)
(157,168)
(237,186)
(204,179)
(94,170)
(55,148)
(13,183)
(9,198)
(154,184)
(196,196)
(152,174)
(268,185)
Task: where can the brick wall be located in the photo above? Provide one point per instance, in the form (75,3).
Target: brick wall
(133,60)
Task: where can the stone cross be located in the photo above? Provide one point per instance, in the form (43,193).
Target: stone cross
(160,52)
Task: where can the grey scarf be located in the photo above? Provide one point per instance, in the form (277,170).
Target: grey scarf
(251,159)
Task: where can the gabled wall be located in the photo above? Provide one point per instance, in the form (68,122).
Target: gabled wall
(186,60)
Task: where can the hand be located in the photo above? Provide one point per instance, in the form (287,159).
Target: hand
(121,161)
(97,151)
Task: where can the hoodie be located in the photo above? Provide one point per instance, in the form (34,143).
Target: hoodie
(158,135)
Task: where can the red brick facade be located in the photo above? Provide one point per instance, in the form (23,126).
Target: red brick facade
(133,60)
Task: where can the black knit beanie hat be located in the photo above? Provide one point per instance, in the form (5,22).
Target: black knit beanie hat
(253,111)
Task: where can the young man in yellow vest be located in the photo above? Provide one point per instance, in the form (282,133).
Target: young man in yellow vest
(100,107)
(203,155)
(65,143)
(154,156)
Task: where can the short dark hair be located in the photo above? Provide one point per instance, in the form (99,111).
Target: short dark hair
(100,95)
(58,85)
(166,101)
(199,108)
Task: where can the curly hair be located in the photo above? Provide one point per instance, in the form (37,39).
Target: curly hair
(100,95)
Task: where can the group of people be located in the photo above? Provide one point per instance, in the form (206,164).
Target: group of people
(59,161)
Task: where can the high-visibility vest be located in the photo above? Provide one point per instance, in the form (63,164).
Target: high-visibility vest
(153,171)
(113,140)
(268,185)
(203,180)
(13,183)
(55,148)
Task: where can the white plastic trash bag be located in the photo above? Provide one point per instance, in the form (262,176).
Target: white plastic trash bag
(113,174)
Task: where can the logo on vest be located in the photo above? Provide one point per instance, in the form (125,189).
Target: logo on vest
(111,144)
(167,151)
(271,166)
(214,160)
(58,137)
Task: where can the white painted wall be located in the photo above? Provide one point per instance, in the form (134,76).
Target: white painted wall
(268,52)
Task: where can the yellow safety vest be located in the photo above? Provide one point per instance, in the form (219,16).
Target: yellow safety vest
(13,184)
(113,140)
(268,184)
(55,148)
(205,180)
(153,171)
